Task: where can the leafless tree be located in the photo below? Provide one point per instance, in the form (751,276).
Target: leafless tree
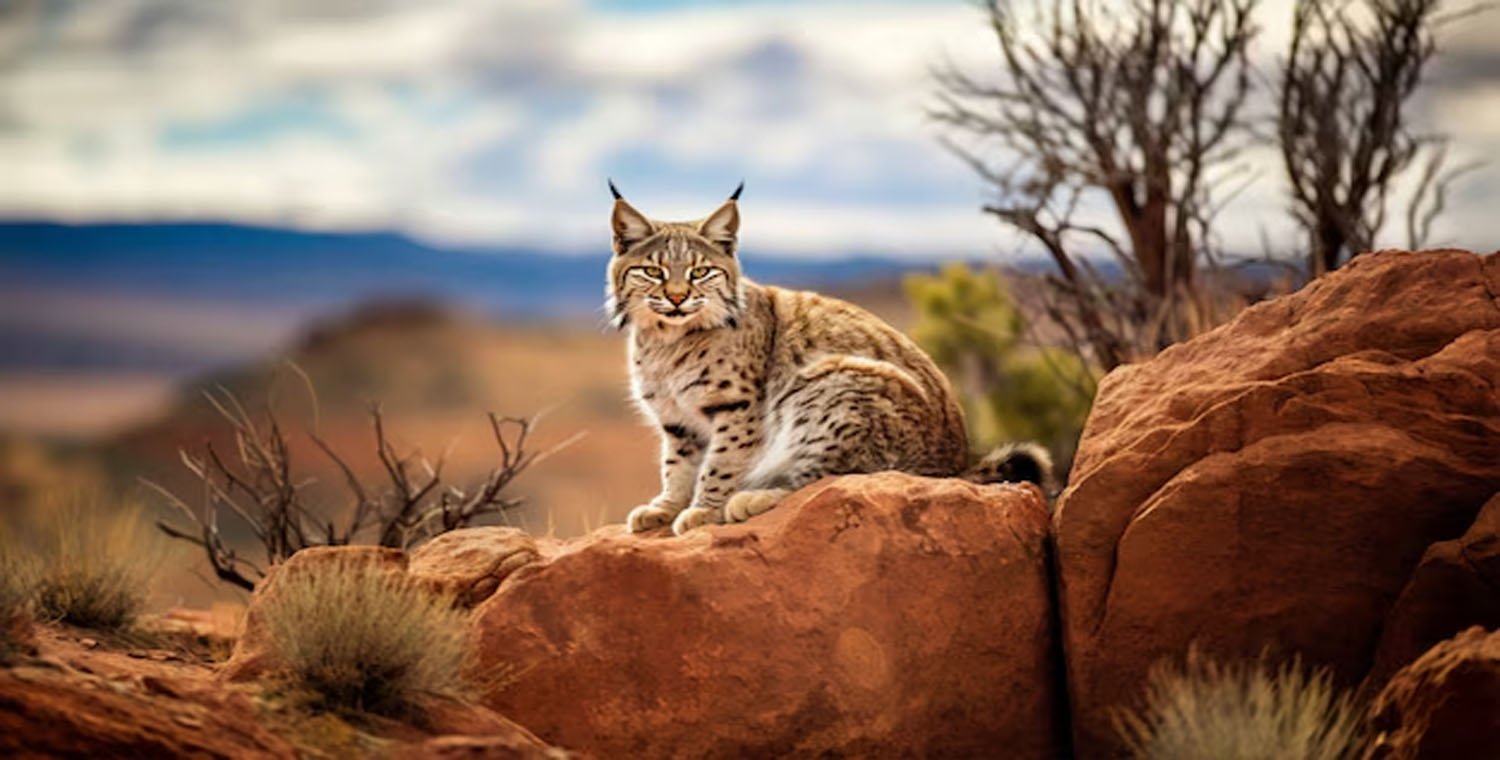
(1345,136)
(259,485)
(1135,107)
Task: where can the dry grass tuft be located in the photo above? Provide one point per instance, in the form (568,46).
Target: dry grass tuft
(1248,711)
(358,639)
(93,562)
(16,580)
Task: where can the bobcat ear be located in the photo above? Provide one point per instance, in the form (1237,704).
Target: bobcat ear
(629,226)
(723,225)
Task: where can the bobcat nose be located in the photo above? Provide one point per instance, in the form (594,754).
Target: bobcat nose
(677,298)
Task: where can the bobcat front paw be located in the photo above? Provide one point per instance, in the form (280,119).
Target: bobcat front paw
(647,517)
(693,517)
(746,504)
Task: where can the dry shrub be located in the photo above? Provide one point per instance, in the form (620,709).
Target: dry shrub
(93,561)
(357,639)
(1245,711)
(266,491)
(16,580)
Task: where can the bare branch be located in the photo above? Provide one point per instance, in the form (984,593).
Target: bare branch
(1137,107)
(1342,124)
(1430,199)
(260,487)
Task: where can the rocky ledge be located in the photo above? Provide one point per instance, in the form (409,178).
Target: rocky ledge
(867,614)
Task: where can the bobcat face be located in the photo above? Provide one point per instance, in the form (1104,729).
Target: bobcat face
(675,273)
(678,278)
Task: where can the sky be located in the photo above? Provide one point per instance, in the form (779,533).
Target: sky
(494,123)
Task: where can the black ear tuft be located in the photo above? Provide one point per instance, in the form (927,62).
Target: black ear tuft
(737,191)
(616,191)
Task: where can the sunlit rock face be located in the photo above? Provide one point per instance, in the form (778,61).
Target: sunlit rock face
(885,615)
(1272,484)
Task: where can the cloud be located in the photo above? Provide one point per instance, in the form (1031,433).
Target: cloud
(495,122)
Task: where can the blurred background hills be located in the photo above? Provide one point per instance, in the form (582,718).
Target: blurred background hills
(184,297)
(112,334)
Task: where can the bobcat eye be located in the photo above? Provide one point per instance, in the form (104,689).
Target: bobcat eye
(699,273)
(652,272)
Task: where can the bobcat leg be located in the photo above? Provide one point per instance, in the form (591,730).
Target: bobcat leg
(681,455)
(726,457)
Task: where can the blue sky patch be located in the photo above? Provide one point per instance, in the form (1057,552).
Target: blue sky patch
(296,113)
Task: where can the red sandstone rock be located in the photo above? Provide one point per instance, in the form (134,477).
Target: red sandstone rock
(1275,481)
(881,614)
(82,701)
(471,563)
(88,699)
(478,748)
(467,730)
(1456,586)
(1445,705)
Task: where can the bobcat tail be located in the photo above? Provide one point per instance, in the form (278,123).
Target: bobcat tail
(1014,463)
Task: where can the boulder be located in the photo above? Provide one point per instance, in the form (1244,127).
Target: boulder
(1455,586)
(470,563)
(1444,705)
(1274,482)
(873,614)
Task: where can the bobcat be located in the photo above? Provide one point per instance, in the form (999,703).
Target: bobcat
(760,390)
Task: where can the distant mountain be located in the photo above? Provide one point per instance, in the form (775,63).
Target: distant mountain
(294,268)
(184,297)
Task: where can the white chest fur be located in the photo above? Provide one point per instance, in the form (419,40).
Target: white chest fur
(656,384)
(675,377)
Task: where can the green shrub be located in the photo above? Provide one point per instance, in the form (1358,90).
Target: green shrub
(357,639)
(1249,711)
(1011,391)
(94,562)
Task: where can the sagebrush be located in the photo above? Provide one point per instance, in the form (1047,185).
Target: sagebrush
(1242,711)
(355,638)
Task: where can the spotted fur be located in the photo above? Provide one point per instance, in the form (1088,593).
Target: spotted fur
(759,390)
